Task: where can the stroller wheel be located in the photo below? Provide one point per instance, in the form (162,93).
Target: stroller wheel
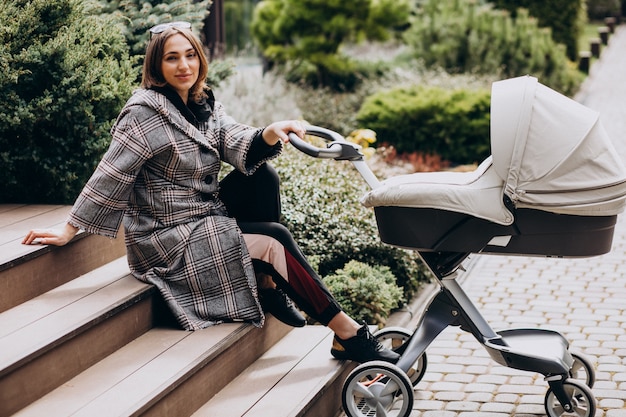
(377,388)
(582,370)
(394,339)
(582,400)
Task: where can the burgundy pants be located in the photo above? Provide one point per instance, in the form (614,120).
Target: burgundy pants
(255,202)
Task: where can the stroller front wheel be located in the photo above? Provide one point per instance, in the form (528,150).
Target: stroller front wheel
(377,388)
(581,398)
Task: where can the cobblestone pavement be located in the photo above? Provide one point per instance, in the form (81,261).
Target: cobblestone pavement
(584,299)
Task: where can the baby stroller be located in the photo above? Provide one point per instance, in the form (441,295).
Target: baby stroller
(552,187)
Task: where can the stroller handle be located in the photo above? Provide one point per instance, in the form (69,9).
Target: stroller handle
(337,148)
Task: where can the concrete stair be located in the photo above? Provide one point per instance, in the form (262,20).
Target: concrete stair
(79,336)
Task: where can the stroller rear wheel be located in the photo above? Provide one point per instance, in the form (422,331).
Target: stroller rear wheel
(394,338)
(377,388)
(582,400)
(582,370)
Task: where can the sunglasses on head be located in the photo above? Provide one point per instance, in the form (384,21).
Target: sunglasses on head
(154,30)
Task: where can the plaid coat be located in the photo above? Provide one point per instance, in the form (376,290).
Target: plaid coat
(160,176)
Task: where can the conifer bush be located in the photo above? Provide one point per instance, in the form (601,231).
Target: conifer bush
(138,16)
(471,37)
(65,73)
(565,18)
(303,38)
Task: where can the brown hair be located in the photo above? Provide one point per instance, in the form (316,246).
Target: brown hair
(151,75)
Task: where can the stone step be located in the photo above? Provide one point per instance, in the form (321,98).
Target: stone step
(296,377)
(28,271)
(164,372)
(53,337)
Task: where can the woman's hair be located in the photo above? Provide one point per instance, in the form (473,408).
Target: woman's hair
(151,75)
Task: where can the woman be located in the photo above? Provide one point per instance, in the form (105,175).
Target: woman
(159,176)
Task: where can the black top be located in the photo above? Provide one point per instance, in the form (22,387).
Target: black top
(199,112)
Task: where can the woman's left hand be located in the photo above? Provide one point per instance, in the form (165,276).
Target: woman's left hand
(279,131)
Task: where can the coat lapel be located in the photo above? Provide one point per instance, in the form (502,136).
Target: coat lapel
(169,112)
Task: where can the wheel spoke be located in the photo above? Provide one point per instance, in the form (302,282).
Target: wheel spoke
(362,391)
(580,411)
(380,410)
(580,406)
(390,388)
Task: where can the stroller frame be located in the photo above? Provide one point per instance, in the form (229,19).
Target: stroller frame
(511,348)
(382,389)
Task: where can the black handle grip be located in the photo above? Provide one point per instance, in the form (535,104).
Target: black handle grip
(338,148)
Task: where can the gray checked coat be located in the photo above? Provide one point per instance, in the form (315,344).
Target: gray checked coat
(160,176)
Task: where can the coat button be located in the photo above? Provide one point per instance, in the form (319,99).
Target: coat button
(208,179)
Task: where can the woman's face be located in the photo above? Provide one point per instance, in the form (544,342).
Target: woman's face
(180,65)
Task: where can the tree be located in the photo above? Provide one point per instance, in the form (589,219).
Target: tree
(464,36)
(65,73)
(304,37)
(565,18)
(139,16)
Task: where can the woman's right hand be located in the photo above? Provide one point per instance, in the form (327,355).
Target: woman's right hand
(56,237)
(279,131)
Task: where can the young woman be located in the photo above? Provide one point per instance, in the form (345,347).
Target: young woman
(211,261)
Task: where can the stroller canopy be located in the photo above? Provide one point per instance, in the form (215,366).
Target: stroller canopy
(553,152)
(548,153)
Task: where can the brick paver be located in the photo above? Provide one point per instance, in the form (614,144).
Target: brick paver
(585,299)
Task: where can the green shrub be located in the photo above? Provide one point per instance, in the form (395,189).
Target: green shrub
(65,73)
(453,124)
(338,111)
(366,293)
(321,208)
(303,38)
(565,18)
(466,36)
(138,16)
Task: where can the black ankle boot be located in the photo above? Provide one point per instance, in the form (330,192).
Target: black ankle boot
(363,347)
(276,302)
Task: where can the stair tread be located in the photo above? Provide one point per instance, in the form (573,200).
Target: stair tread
(133,376)
(282,381)
(14,224)
(42,321)
(12,214)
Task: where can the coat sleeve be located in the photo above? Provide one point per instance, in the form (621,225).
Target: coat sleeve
(236,140)
(100,206)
